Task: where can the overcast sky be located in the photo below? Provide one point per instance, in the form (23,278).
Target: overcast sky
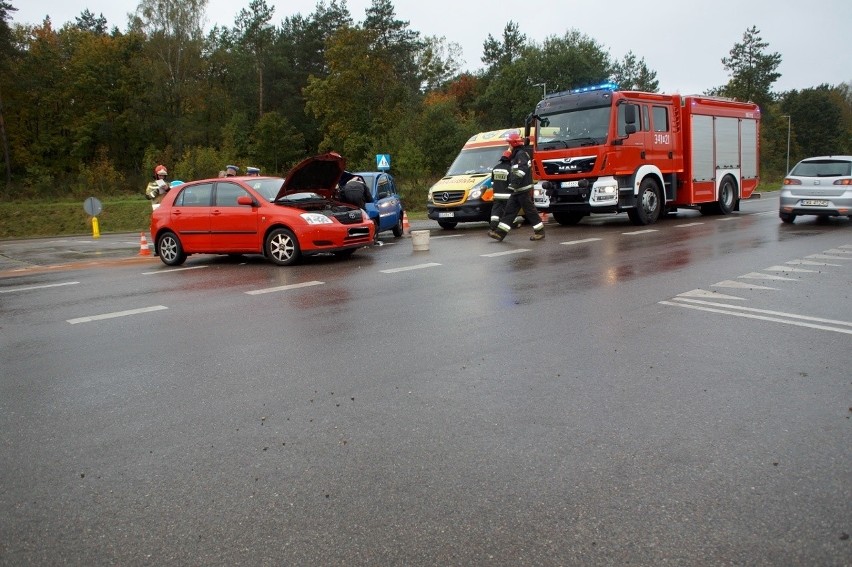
(683,41)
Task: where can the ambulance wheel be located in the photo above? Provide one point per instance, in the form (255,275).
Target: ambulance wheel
(649,205)
(170,249)
(727,195)
(447,224)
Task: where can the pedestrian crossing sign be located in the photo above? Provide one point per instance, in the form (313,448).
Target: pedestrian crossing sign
(383,162)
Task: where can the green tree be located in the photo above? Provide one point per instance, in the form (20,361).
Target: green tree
(821,120)
(276,144)
(632,74)
(173,30)
(395,40)
(256,36)
(357,102)
(752,70)
(6,52)
(87,21)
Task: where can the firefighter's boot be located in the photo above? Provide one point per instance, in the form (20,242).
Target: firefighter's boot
(497,234)
(538,235)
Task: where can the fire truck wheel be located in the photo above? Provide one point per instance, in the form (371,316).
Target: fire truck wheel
(568,219)
(727,195)
(648,204)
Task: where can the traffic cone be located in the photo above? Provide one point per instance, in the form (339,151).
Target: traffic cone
(143,245)
(406,228)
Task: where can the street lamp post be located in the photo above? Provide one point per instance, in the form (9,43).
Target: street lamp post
(543,89)
(787,116)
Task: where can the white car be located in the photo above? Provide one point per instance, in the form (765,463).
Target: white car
(820,186)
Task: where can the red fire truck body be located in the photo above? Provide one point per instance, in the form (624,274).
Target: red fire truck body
(600,150)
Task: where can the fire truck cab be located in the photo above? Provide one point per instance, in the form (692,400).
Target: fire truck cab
(601,150)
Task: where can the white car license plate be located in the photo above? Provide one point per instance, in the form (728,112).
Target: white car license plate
(447,215)
(814,203)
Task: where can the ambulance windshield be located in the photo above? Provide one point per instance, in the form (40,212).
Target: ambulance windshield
(476,160)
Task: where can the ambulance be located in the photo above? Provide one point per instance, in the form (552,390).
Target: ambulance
(464,193)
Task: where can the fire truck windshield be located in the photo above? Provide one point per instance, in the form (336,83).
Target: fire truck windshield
(476,160)
(573,128)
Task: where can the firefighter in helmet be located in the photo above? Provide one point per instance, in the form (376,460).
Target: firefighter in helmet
(521,185)
(500,187)
(157,188)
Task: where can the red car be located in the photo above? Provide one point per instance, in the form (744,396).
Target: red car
(281,218)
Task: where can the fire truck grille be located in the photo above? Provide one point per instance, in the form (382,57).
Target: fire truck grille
(447,197)
(569,165)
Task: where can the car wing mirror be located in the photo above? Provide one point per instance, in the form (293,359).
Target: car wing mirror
(246,200)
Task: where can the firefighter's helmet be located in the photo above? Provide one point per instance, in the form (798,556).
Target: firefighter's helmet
(515,140)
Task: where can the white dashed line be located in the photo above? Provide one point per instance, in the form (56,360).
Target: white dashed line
(117,314)
(14,289)
(710,294)
(283,288)
(169,270)
(827,257)
(809,263)
(752,314)
(407,268)
(759,276)
(646,231)
(584,241)
(505,253)
(688,224)
(786,269)
(739,285)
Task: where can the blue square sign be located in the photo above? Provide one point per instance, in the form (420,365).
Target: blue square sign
(383,162)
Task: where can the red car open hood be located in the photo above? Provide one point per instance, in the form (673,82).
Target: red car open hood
(317,174)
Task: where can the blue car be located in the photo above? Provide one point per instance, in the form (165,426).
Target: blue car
(386,209)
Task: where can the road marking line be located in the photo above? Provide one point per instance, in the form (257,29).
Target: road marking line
(787,269)
(759,276)
(407,268)
(688,224)
(826,257)
(739,285)
(809,263)
(723,219)
(168,270)
(36,287)
(769,312)
(283,288)
(505,253)
(713,294)
(584,241)
(646,231)
(117,314)
(759,317)
(837,251)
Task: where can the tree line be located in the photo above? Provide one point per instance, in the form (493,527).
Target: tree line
(92,109)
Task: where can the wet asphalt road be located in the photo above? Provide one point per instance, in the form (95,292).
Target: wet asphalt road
(675,394)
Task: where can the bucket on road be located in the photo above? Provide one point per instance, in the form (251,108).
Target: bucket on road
(420,239)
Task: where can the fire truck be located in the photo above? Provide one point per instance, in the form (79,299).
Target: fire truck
(601,150)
